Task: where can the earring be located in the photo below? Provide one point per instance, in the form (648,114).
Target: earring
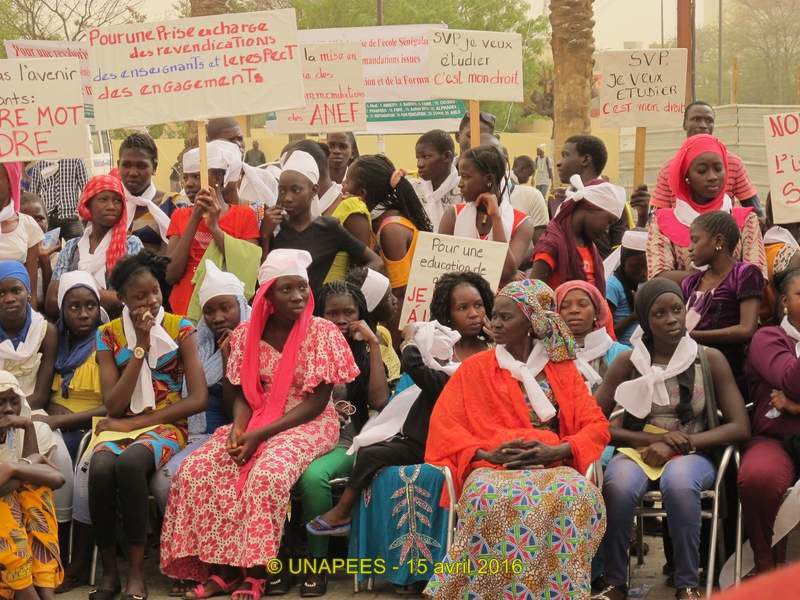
(718,247)
(785,310)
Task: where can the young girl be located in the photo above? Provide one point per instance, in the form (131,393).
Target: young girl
(33,206)
(344,305)
(566,250)
(138,161)
(104,242)
(228,501)
(437,184)
(487,213)
(673,394)
(344,150)
(19,233)
(586,313)
(144,357)
(398,215)
(722,301)
(624,274)
(322,237)
(699,180)
(30,565)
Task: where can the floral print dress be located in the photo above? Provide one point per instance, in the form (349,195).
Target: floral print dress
(207,522)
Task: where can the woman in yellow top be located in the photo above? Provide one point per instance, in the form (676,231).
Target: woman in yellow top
(398,216)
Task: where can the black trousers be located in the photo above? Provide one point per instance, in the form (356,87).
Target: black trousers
(395,452)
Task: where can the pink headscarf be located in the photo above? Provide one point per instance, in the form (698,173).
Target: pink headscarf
(269,406)
(14,172)
(601,310)
(668,223)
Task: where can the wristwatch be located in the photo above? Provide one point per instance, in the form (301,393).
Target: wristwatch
(138,352)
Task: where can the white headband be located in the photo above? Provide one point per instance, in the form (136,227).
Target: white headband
(9,382)
(191,161)
(609,197)
(635,240)
(218,283)
(220,154)
(283,262)
(73,279)
(374,288)
(303,163)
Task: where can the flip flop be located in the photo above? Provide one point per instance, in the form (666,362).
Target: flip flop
(320,526)
(200,592)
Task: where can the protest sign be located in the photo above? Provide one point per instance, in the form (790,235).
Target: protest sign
(197,68)
(41,110)
(782,141)
(395,60)
(475,65)
(640,88)
(58,49)
(436,255)
(334,92)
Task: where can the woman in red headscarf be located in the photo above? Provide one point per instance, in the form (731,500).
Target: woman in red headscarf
(104,241)
(19,233)
(228,501)
(698,175)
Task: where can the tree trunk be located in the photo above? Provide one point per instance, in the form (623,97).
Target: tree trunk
(573,49)
(203,8)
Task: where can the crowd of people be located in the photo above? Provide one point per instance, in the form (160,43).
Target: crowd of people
(234,351)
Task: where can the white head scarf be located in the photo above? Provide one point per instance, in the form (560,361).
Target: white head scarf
(609,197)
(374,288)
(632,240)
(218,283)
(303,163)
(73,279)
(191,161)
(11,448)
(283,262)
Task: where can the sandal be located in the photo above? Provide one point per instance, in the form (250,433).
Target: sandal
(280,583)
(200,593)
(254,593)
(314,585)
(320,526)
(179,588)
(105,594)
(135,596)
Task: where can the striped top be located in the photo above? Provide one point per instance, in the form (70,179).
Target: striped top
(739,185)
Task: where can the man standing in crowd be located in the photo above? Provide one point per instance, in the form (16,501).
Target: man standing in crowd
(255,157)
(487,121)
(699,118)
(59,184)
(542,171)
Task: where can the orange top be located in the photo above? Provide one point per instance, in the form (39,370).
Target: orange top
(586,259)
(398,270)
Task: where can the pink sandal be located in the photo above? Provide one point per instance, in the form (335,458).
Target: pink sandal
(254,593)
(200,592)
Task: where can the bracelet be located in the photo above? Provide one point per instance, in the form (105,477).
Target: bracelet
(27,460)
(406,344)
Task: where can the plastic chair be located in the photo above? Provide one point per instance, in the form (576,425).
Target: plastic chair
(81,450)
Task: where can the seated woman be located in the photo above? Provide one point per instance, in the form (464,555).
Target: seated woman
(698,177)
(144,357)
(323,237)
(228,503)
(767,469)
(624,275)
(566,249)
(680,387)
(104,241)
(19,234)
(343,304)
(437,182)
(487,213)
(503,416)
(217,223)
(30,564)
(722,301)
(586,313)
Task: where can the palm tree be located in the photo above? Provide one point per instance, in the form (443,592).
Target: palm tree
(573,46)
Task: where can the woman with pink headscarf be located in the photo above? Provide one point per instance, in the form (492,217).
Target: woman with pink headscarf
(698,176)
(19,233)
(228,501)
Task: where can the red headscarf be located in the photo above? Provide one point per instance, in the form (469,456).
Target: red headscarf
(268,406)
(14,172)
(691,148)
(119,234)
(601,311)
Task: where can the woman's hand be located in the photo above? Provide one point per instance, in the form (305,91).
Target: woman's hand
(143,322)
(273,217)
(233,440)
(489,202)
(53,421)
(112,424)
(657,454)
(208,200)
(536,453)
(487,330)
(780,402)
(247,444)
(224,345)
(14,422)
(678,441)
(359,330)
(502,454)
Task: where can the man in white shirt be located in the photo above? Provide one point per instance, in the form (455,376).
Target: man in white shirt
(542,171)
(528,199)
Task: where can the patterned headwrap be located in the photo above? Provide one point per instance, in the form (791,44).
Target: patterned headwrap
(119,236)
(538,302)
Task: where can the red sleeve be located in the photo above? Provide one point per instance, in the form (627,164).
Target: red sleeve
(662,196)
(178,220)
(248,225)
(544,256)
(742,187)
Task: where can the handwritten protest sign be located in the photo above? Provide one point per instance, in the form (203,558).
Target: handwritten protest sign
(58,49)
(334,92)
(477,65)
(198,68)
(640,88)
(41,110)
(436,255)
(782,141)
(395,60)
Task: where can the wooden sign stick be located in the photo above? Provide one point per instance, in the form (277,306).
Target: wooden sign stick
(201,144)
(638,156)
(474,123)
